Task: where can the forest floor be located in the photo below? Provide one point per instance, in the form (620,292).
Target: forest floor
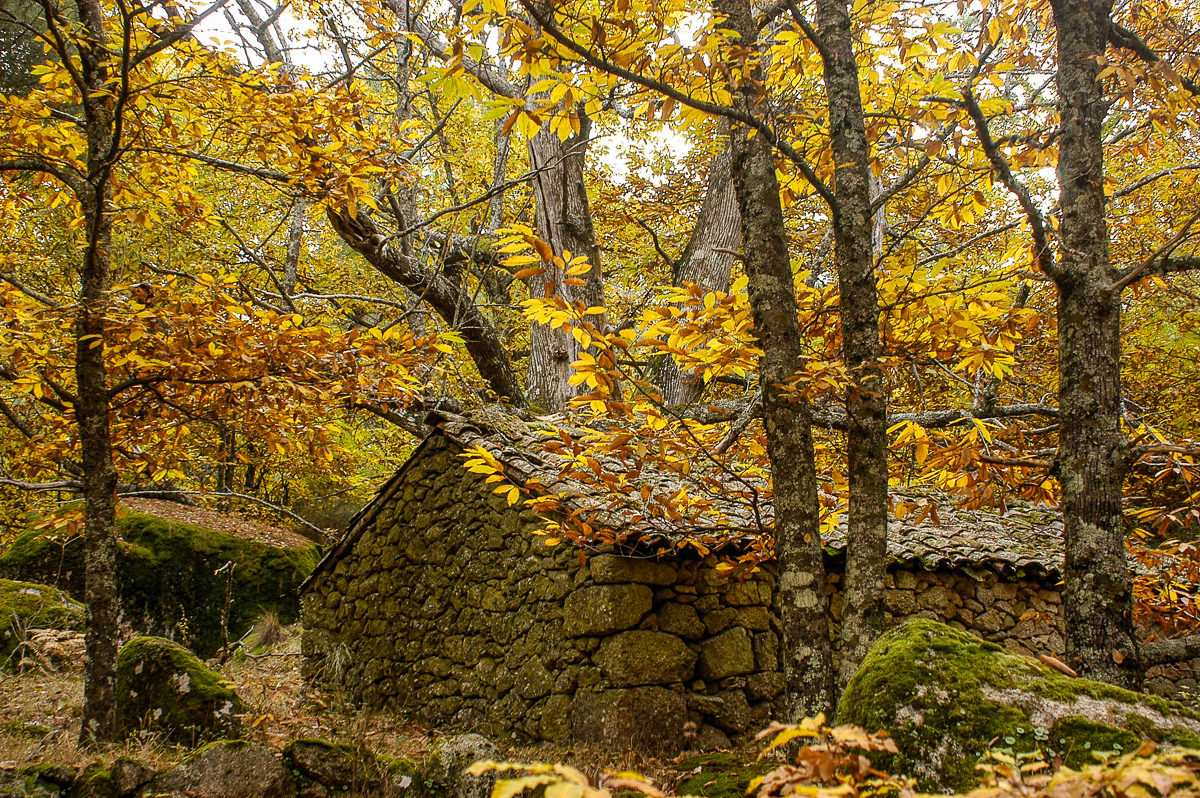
(40,711)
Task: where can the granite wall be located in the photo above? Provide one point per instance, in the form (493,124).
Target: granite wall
(448,609)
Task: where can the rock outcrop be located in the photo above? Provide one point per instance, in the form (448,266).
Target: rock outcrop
(27,607)
(946,695)
(225,769)
(163,688)
(165,577)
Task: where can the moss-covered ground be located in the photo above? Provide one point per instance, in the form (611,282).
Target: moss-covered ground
(167,581)
(721,775)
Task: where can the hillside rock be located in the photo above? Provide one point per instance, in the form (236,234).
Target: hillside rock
(26,607)
(163,687)
(944,695)
(225,769)
(165,576)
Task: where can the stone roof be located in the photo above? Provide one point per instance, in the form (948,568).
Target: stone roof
(1022,539)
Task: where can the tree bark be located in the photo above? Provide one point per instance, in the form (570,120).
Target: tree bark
(706,261)
(807,662)
(91,375)
(564,221)
(866,410)
(1097,595)
(449,299)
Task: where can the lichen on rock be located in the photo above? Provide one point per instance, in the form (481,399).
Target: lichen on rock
(945,695)
(163,687)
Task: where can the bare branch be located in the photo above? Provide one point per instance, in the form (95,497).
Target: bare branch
(41,487)
(1015,462)
(1135,274)
(232,495)
(73,181)
(714,109)
(220,163)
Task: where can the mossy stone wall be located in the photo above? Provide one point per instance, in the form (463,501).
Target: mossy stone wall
(449,609)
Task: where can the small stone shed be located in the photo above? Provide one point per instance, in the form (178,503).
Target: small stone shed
(441,603)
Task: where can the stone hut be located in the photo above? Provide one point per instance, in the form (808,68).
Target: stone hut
(441,603)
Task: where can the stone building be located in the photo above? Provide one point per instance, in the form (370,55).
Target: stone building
(440,602)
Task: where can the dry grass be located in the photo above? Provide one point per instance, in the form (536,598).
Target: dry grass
(282,708)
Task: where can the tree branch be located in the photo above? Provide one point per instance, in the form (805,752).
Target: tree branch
(232,495)
(1120,36)
(41,487)
(72,181)
(1166,652)
(1037,223)
(1185,263)
(713,109)
(1135,274)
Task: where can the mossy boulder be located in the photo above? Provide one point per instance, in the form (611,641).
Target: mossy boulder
(946,695)
(449,759)
(163,687)
(25,606)
(166,581)
(338,766)
(344,767)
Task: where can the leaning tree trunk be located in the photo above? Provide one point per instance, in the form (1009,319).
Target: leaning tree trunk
(866,410)
(807,663)
(1097,595)
(564,221)
(706,261)
(91,404)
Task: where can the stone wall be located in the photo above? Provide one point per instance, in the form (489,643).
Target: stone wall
(448,609)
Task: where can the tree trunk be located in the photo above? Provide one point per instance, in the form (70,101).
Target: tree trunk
(706,261)
(807,663)
(91,405)
(866,410)
(1097,595)
(564,221)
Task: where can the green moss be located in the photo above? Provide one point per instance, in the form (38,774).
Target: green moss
(721,775)
(162,687)
(25,784)
(26,605)
(61,775)
(96,781)
(26,728)
(165,576)
(945,696)
(1077,740)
